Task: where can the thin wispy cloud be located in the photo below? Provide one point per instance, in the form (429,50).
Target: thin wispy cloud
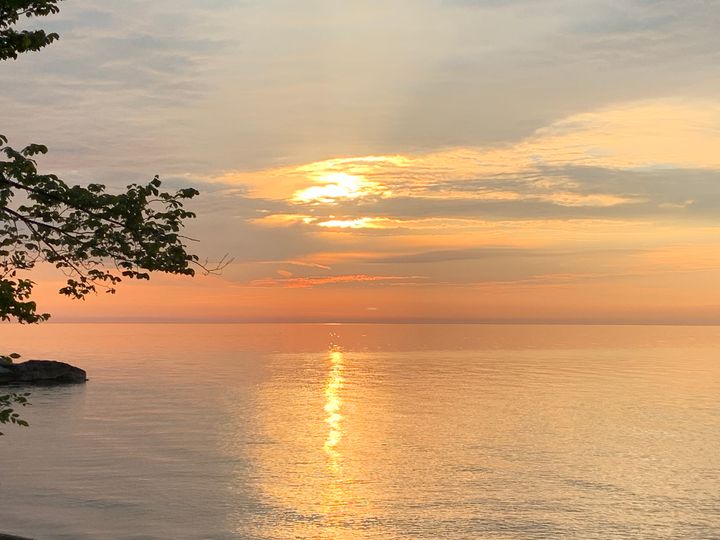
(303,282)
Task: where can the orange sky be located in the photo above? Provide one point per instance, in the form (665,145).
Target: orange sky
(512,233)
(458,162)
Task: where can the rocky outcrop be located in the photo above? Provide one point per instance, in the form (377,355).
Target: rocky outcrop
(41,372)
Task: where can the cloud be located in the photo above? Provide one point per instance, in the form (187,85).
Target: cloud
(108,96)
(305,282)
(179,86)
(457,255)
(581,167)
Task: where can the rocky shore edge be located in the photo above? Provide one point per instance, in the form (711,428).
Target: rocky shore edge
(40,372)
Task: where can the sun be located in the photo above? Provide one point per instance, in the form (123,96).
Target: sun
(338,186)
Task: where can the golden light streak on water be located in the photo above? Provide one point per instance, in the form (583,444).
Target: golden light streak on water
(335,496)
(333,406)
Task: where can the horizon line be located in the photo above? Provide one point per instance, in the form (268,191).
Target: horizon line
(520,322)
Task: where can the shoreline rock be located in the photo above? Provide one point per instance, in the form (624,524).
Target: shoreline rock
(41,372)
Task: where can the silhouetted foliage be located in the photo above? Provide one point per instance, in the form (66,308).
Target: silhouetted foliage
(14,42)
(94,236)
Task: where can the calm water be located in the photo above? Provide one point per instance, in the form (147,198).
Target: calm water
(368,431)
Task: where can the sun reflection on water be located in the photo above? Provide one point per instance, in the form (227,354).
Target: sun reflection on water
(333,406)
(335,495)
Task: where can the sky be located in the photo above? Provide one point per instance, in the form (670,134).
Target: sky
(397,161)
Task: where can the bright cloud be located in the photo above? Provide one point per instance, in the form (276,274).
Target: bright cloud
(359,223)
(549,168)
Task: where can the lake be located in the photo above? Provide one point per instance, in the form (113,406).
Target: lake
(367,432)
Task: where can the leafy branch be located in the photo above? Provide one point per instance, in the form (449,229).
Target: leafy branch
(96,238)
(14,42)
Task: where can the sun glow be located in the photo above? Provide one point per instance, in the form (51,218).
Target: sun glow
(359,223)
(339,186)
